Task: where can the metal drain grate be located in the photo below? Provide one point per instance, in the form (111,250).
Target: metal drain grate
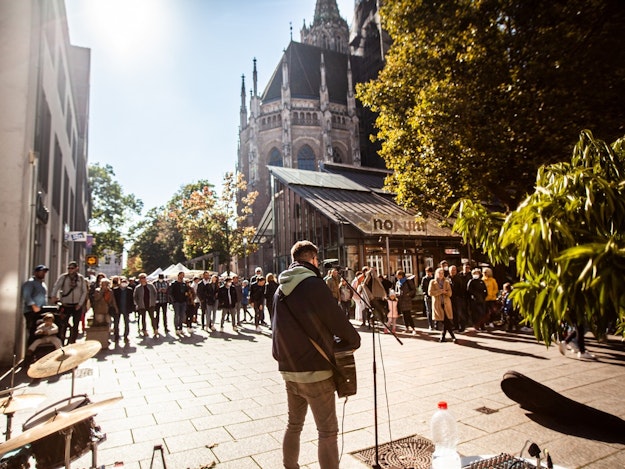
(486,410)
(413,452)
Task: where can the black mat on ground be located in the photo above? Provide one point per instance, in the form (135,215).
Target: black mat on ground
(413,452)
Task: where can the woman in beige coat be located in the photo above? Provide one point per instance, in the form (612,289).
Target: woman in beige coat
(440,292)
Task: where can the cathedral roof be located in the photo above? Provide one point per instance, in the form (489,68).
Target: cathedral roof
(304,65)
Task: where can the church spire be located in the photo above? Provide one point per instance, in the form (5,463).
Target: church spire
(255,78)
(243,112)
(328,30)
(326,11)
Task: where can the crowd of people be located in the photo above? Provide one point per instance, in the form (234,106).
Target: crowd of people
(453,300)
(205,302)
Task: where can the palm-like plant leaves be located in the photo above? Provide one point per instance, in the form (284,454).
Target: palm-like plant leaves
(568,240)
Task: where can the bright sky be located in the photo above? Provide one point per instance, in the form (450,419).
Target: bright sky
(166,82)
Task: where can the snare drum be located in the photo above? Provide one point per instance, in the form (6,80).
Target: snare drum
(49,452)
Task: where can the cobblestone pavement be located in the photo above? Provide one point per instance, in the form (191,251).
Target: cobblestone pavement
(218,397)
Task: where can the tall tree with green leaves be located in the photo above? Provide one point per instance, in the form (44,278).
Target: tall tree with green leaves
(213,223)
(476,95)
(112,210)
(567,239)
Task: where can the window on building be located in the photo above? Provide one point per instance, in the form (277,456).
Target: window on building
(405,262)
(306,158)
(377,262)
(275,158)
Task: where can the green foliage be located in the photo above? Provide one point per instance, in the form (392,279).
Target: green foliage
(196,221)
(158,244)
(476,95)
(567,239)
(112,211)
(209,222)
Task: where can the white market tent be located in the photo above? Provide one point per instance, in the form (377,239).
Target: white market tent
(173,270)
(154,275)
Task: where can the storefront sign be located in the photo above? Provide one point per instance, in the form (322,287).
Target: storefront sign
(384,224)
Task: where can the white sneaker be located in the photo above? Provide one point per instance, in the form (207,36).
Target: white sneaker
(235,328)
(586,356)
(257,328)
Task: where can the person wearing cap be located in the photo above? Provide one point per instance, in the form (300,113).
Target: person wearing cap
(71,291)
(34,297)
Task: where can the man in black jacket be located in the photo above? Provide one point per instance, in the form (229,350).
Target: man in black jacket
(305,309)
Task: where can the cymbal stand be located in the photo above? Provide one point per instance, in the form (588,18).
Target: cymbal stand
(10,415)
(9,425)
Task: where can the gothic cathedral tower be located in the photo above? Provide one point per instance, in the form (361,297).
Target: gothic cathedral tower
(307,114)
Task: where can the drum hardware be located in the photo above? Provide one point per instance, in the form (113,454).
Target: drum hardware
(75,430)
(64,359)
(11,404)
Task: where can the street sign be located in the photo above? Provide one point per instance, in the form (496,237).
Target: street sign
(76,236)
(92,260)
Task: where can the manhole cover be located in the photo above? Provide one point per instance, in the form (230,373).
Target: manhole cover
(413,452)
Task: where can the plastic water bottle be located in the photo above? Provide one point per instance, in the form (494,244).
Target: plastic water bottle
(445,438)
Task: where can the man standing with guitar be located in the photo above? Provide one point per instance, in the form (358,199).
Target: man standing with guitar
(307,316)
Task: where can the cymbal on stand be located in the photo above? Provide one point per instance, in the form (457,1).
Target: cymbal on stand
(56,423)
(64,359)
(12,404)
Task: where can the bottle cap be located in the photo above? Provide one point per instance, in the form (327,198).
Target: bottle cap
(442,405)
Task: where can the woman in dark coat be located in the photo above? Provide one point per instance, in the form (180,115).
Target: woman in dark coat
(270,289)
(406,290)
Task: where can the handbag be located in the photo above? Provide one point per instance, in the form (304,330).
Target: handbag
(344,367)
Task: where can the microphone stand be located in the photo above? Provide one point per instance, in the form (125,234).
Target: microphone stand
(372,315)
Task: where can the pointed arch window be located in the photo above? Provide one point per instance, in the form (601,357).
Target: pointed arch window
(275,158)
(337,156)
(306,158)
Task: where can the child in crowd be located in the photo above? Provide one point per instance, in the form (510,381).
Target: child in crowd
(393,312)
(46,333)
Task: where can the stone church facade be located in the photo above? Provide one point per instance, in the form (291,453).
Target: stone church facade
(307,114)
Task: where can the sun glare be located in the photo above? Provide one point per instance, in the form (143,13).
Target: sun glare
(129,30)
